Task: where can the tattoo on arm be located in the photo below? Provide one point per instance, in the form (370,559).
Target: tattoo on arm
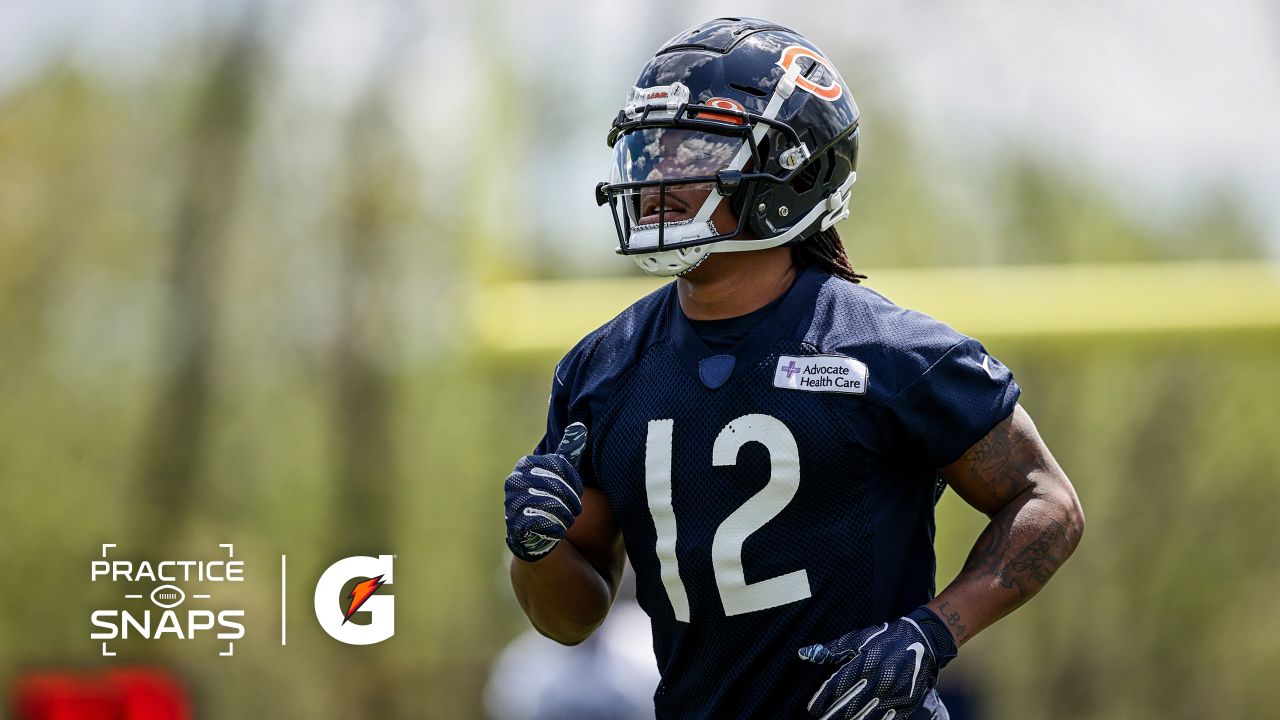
(1002,462)
(951,617)
(1032,566)
(1035,523)
(1018,564)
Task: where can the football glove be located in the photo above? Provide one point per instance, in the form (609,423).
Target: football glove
(885,670)
(544,496)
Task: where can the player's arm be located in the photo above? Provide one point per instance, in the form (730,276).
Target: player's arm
(1036,523)
(567,593)
(567,546)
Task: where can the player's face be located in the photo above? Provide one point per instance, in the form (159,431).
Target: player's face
(680,155)
(673,154)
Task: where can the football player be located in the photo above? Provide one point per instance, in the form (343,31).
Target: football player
(764,437)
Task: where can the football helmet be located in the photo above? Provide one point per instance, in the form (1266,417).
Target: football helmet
(738,135)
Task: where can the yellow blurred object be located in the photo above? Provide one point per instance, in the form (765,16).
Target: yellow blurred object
(983,301)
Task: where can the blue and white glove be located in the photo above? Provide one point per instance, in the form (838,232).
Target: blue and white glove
(885,670)
(544,497)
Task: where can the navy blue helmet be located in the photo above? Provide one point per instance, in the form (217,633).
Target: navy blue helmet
(738,135)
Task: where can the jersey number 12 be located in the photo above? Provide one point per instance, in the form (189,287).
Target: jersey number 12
(736,595)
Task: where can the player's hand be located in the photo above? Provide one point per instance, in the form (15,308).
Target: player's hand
(885,670)
(544,496)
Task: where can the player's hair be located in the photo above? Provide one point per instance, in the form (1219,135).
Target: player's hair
(827,252)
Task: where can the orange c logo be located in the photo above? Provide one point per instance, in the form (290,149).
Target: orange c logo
(830,92)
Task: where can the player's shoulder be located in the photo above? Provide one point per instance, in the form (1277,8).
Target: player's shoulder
(617,344)
(897,344)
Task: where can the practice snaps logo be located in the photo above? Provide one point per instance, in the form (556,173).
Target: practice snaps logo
(335,611)
(153,598)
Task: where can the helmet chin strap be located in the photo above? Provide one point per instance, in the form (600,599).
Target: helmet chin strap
(670,263)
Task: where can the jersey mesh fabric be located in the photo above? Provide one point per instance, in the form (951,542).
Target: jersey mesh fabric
(743,665)
(860,524)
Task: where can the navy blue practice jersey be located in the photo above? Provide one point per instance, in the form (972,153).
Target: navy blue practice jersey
(781,494)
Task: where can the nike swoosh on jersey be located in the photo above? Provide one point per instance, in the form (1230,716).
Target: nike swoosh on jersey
(986,365)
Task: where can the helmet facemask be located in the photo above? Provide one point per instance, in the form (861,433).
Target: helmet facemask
(665,188)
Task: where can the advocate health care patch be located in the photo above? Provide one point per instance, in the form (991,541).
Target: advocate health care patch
(821,373)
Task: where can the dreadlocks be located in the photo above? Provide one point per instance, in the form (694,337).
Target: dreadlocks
(827,252)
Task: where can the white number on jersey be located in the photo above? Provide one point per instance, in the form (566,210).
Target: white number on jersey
(736,595)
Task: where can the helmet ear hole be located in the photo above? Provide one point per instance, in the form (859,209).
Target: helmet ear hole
(808,177)
(831,166)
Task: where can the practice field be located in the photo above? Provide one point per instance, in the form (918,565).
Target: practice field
(985,301)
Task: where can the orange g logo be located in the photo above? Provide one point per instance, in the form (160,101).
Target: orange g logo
(830,92)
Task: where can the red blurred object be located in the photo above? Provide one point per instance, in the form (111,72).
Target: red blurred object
(118,694)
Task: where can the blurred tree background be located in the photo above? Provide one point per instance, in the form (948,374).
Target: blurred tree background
(241,272)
